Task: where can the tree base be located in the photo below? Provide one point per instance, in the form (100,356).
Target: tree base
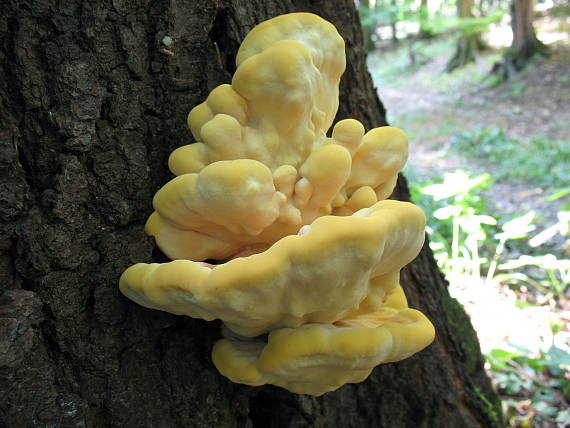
(465,52)
(517,59)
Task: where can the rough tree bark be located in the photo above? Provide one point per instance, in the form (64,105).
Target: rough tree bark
(93,98)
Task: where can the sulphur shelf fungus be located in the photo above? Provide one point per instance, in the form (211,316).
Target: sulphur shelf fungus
(305,252)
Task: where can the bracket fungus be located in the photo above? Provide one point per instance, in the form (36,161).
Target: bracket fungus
(309,252)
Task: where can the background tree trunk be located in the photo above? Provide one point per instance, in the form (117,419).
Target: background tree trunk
(524,36)
(368,25)
(525,43)
(394,20)
(468,44)
(423,15)
(93,98)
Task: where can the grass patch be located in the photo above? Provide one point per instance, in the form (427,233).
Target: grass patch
(540,160)
(394,67)
(420,126)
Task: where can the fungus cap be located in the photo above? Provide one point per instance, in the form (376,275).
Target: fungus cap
(341,267)
(310,252)
(275,115)
(319,358)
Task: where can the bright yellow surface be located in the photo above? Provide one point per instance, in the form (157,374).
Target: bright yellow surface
(318,358)
(342,267)
(312,252)
(276,114)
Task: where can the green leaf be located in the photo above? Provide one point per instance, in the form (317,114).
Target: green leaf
(537,364)
(547,261)
(557,356)
(517,228)
(559,194)
(440,191)
(544,408)
(455,184)
(445,213)
(563,418)
(501,354)
(565,388)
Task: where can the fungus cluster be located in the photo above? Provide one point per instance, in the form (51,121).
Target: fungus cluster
(309,251)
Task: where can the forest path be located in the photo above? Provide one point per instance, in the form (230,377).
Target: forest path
(432,108)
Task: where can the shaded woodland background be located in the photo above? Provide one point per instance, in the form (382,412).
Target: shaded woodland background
(489,163)
(91,105)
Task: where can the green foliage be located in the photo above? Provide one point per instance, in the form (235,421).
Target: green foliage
(387,12)
(465,242)
(384,13)
(561,10)
(464,239)
(395,69)
(466,26)
(520,374)
(458,204)
(378,16)
(554,284)
(540,160)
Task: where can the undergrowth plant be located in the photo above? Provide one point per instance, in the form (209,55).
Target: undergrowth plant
(539,160)
(462,224)
(471,247)
(533,383)
(466,241)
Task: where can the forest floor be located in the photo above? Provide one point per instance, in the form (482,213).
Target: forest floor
(432,107)
(522,129)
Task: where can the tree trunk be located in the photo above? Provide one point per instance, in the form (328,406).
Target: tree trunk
(524,36)
(525,43)
(425,30)
(369,28)
(468,44)
(94,97)
(394,21)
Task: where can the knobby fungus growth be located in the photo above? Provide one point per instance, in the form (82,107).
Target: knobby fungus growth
(309,291)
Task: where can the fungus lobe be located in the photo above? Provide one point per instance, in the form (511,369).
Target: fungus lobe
(312,250)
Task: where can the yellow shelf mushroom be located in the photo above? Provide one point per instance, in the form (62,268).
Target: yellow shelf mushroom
(340,267)
(263,165)
(309,290)
(318,358)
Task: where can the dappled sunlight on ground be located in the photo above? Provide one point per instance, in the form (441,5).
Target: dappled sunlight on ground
(502,324)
